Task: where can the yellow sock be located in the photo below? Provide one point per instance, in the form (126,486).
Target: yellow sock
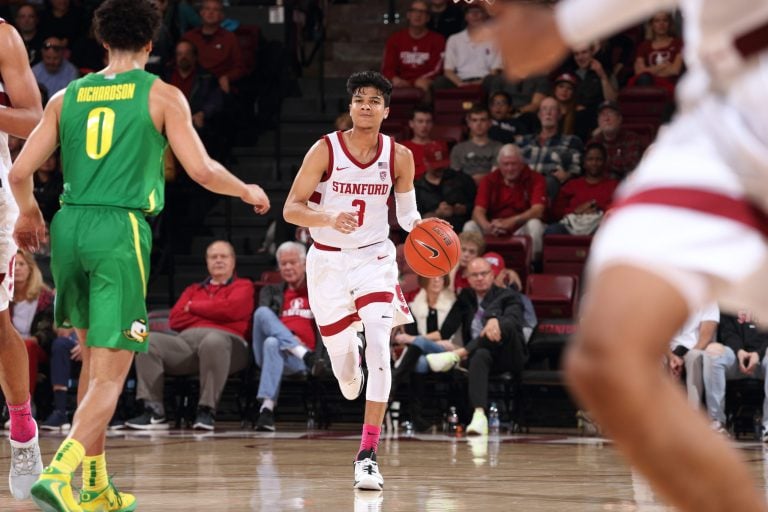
(95,476)
(68,457)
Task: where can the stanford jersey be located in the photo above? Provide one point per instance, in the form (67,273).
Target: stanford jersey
(351,186)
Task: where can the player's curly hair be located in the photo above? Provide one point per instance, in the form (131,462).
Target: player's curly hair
(370,79)
(126,24)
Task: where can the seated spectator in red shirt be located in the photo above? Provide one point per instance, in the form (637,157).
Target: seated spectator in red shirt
(659,59)
(511,200)
(213,320)
(413,56)
(582,201)
(427,152)
(217,49)
(624,148)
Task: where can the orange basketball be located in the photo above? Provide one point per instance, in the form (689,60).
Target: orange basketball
(432,249)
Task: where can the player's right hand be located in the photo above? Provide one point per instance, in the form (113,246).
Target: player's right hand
(255,195)
(345,222)
(29,231)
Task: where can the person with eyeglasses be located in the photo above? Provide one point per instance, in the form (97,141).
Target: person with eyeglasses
(413,56)
(54,72)
(491,322)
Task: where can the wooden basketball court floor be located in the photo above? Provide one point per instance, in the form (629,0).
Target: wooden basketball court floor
(235,470)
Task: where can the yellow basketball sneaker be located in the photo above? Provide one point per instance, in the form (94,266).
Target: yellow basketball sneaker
(108,499)
(53,492)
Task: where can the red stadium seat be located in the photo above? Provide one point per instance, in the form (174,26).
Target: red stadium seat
(451,105)
(565,254)
(271,277)
(402,103)
(644,105)
(451,133)
(553,296)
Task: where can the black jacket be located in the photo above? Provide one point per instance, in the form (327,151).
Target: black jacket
(503,304)
(742,336)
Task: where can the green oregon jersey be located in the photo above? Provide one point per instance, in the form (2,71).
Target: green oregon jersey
(111,152)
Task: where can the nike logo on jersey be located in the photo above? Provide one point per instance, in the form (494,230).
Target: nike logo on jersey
(435,252)
(341,168)
(381,257)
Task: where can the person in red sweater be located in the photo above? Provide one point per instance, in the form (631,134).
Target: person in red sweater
(427,152)
(511,200)
(581,202)
(413,56)
(213,321)
(217,49)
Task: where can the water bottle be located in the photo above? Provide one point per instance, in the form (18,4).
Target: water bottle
(493,419)
(453,421)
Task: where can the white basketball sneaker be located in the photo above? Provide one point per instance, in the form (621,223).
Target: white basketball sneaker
(26,466)
(367,474)
(352,388)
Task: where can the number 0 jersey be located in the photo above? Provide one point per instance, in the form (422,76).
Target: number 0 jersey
(351,186)
(111,152)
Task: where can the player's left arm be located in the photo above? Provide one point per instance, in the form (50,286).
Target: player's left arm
(20,85)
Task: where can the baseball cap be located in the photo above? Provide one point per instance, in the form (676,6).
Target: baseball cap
(567,77)
(608,104)
(496,261)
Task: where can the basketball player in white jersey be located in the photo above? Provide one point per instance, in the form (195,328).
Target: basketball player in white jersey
(689,227)
(340,194)
(20,111)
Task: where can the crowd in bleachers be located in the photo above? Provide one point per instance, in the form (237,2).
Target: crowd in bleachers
(525,170)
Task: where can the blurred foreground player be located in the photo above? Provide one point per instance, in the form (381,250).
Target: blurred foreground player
(689,227)
(112,128)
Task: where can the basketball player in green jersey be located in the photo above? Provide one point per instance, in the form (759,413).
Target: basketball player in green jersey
(110,126)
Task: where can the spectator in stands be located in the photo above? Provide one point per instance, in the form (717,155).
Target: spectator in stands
(446,17)
(556,156)
(685,359)
(429,307)
(624,147)
(582,201)
(54,72)
(27,24)
(217,49)
(470,58)
(162,45)
(570,110)
(212,319)
(526,95)
(32,312)
(64,351)
(504,127)
(284,331)
(476,155)
(63,20)
(739,355)
(48,183)
(446,194)
(659,59)
(427,152)
(511,200)
(413,56)
(472,246)
(202,91)
(595,84)
(491,323)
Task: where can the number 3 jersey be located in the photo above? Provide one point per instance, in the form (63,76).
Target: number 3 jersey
(362,189)
(111,152)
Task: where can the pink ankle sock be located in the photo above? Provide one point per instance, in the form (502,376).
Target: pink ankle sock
(370,439)
(22,424)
